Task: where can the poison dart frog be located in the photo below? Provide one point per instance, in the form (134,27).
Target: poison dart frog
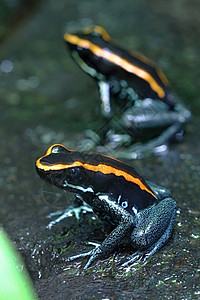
(133,84)
(118,195)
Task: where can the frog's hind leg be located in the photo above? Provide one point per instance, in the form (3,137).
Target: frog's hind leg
(124,227)
(151,114)
(150,118)
(108,245)
(139,150)
(152,233)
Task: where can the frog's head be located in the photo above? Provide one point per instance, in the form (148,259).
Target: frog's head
(83,38)
(86,48)
(60,167)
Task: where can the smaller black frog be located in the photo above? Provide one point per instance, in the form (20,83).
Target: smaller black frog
(133,90)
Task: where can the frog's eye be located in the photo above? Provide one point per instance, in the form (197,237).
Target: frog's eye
(100,32)
(58,149)
(96,33)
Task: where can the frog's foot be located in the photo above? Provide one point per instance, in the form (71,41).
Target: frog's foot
(95,253)
(114,140)
(89,141)
(156,145)
(92,141)
(69,212)
(138,257)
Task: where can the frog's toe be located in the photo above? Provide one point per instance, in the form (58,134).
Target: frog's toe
(135,258)
(138,257)
(83,208)
(90,261)
(93,255)
(90,140)
(69,212)
(81,255)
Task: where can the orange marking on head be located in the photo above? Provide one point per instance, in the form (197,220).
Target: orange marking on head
(97,29)
(49,151)
(123,63)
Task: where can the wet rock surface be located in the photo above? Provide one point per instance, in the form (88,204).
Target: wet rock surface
(46,99)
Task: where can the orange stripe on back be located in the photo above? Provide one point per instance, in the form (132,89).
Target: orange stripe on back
(103,168)
(116,60)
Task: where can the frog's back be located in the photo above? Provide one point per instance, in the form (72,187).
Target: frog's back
(121,181)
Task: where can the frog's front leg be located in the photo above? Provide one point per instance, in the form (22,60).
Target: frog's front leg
(104,91)
(76,209)
(125,224)
(153,229)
